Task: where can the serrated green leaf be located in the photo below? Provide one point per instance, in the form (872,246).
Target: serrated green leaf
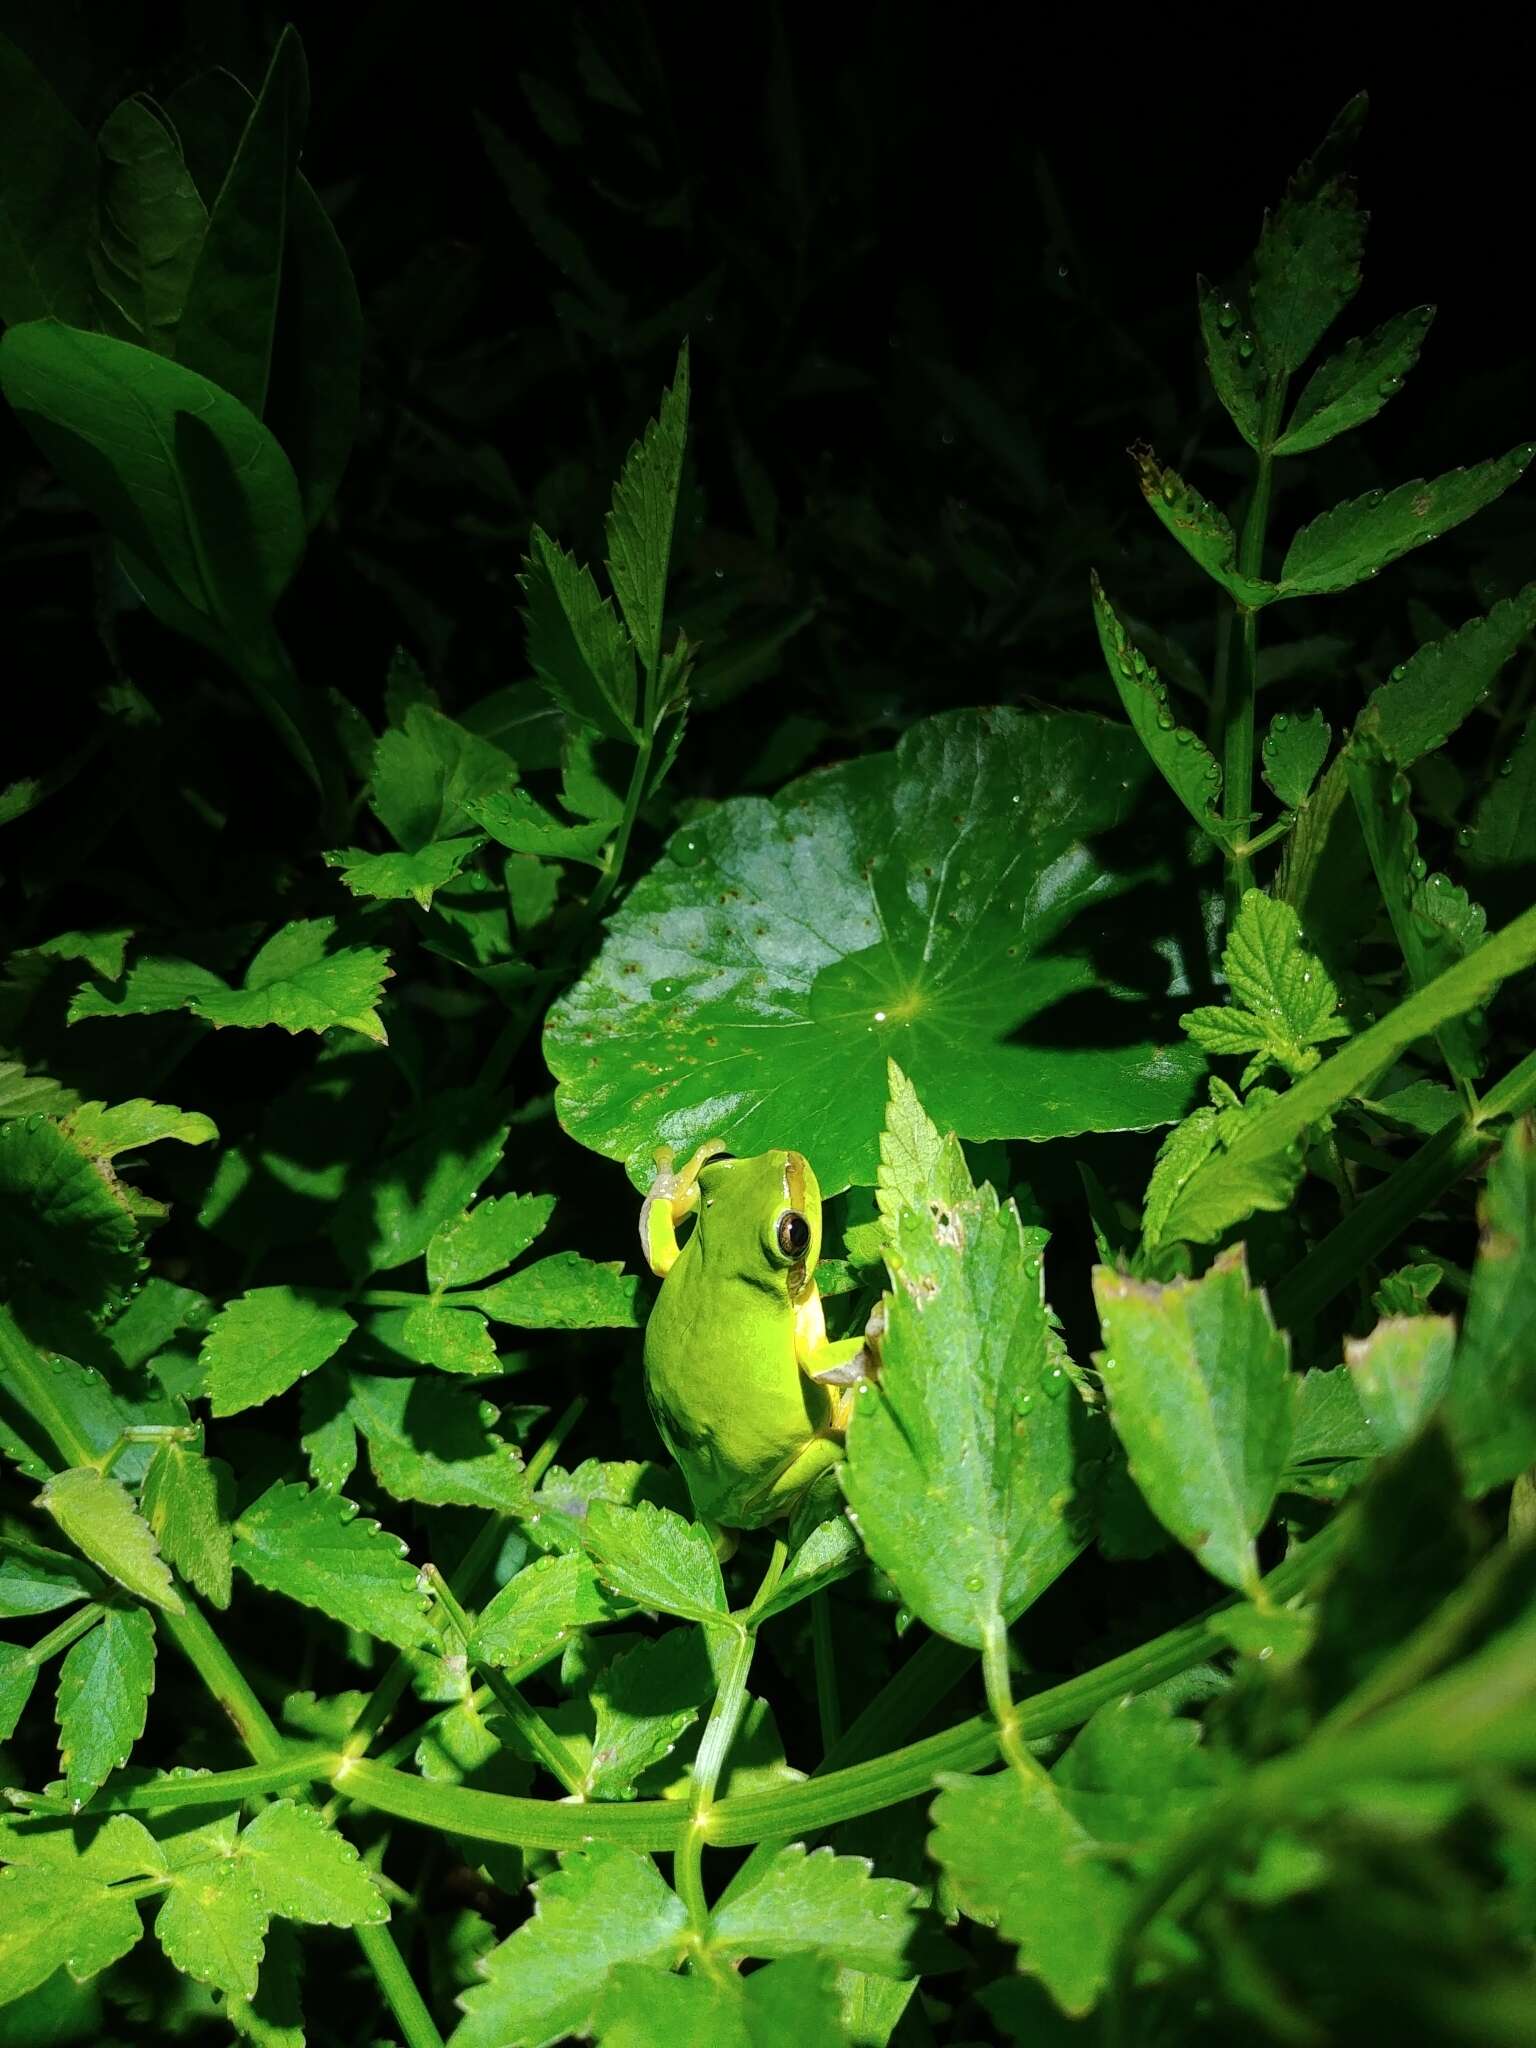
(18,1676)
(793,2000)
(1426,698)
(315,1548)
(106,1847)
(1491,1404)
(1407,1291)
(1284,1003)
(24,1094)
(1230,1185)
(212,1926)
(36,1580)
(1186,764)
(450,1339)
(150,985)
(540,1608)
(304,1870)
(104,1132)
(643,1702)
(1400,1372)
(103,951)
(229,323)
(1434,922)
(1137,1773)
(391,1214)
(274,2018)
(1199,1389)
(519,822)
(1021,1863)
(564,1292)
(1504,827)
(955,884)
(425,772)
(98,1517)
(1353,386)
(66,1227)
(396,877)
(960,1459)
(1200,528)
(1294,751)
(1362,536)
(604,1905)
(640,521)
(917,1163)
(1236,367)
(302,980)
(1307,265)
(48,173)
(56,1919)
(577,646)
(1187,1147)
(104,1686)
(150,226)
(486,1238)
(330,1437)
(180,1501)
(821,1901)
(656,1559)
(266,1340)
(830,1552)
(436,1444)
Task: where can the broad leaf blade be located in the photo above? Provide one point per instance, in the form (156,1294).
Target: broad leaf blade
(433,1443)
(104,1687)
(151,228)
(821,1901)
(577,645)
(315,1548)
(1352,387)
(264,1342)
(932,905)
(180,1502)
(304,1870)
(98,1517)
(1184,761)
(1200,1393)
(48,175)
(1426,698)
(639,525)
(656,1559)
(1400,1372)
(1491,1407)
(486,1238)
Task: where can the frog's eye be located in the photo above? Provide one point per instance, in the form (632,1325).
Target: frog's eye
(793,1234)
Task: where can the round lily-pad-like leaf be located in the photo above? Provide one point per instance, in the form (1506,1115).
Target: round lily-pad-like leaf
(984,904)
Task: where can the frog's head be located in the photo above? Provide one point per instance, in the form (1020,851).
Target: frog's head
(764,1216)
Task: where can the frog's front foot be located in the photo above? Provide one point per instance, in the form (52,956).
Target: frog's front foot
(672,1195)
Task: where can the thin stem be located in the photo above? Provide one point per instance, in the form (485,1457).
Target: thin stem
(715,1747)
(67,1632)
(1247,848)
(994,1671)
(634,797)
(528,1724)
(399,1987)
(387,1694)
(1243,682)
(829,1707)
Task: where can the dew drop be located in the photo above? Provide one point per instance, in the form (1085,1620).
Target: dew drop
(1399,672)
(974,1582)
(686,848)
(1245,348)
(1418,867)
(1165,720)
(1464,836)
(1024,1403)
(1226,317)
(664,990)
(1281,722)
(879,1016)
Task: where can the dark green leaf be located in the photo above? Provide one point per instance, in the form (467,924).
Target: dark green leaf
(1358,538)
(1231,356)
(820,1901)
(1352,387)
(212,1924)
(104,1687)
(1200,1393)
(98,1517)
(393,1214)
(425,772)
(486,1238)
(264,1342)
(230,317)
(563,1292)
(642,1702)
(656,1559)
(577,645)
(394,877)
(1283,1002)
(1491,1407)
(1185,762)
(303,981)
(1400,1372)
(436,1444)
(1307,267)
(1426,697)
(180,1501)
(604,1905)
(315,1548)
(304,1870)
(35,1580)
(639,525)
(517,821)
(542,1607)
(793,2000)
(151,228)
(58,1920)
(931,905)
(65,1225)
(48,176)
(1295,749)
(1199,527)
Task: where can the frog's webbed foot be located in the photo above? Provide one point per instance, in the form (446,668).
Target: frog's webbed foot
(853,1360)
(672,1195)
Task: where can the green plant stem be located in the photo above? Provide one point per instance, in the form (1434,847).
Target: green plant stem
(476,1561)
(78,1624)
(715,1746)
(1237,748)
(829,1710)
(994,1671)
(399,1987)
(527,1723)
(1381,1217)
(633,798)
(821,1802)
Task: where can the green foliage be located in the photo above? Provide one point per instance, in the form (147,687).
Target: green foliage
(806,816)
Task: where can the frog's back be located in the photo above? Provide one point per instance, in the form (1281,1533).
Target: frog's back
(724,1385)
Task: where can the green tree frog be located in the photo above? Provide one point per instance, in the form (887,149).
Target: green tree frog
(750,1394)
